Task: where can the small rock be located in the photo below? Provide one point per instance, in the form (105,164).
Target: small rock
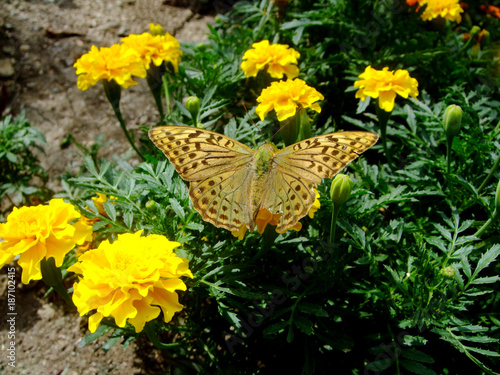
(46,312)
(24,48)
(9,50)
(6,68)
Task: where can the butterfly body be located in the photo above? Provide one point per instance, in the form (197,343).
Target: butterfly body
(230,182)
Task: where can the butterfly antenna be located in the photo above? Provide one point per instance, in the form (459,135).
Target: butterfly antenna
(280,129)
(251,119)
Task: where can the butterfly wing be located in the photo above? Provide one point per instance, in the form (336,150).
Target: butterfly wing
(301,167)
(197,153)
(218,168)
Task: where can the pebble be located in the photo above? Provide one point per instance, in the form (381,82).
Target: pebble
(6,68)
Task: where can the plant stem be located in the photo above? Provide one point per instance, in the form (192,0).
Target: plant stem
(113,93)
(154,80)
(383,120)
(486,225)
(449,141)
(493,170)
(167,92)
(333,225)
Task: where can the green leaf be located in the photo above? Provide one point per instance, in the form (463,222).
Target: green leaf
(486,280)
(177,208)
(110,210)
(304,325)
(380,365)
(486,259)
(416,368)
(312,309)
(276,328)
(417,355)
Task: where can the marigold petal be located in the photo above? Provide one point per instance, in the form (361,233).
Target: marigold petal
(386,100)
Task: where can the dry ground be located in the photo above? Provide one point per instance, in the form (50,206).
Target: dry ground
(40,41)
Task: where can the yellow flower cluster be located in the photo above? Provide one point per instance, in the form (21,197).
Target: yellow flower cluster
(117,62)
(158,48)
(131,279)
(385,84)
(276,59)
(285,97)
(121,62)
(39,232)
(449,9)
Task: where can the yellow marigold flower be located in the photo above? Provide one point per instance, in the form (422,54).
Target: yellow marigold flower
(157,48)
(384,85)
(277,59)
(316,205)
(39,232)
(132,279)
(449,9)
(118,62)
(285,97)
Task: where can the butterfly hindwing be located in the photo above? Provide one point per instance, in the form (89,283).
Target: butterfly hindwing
(223,200)
(198,153)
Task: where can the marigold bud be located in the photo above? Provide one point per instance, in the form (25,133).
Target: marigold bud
(341,189)
(447,272)
(452,120)
(150,205)
(474,31)
(193,105)
(156,29)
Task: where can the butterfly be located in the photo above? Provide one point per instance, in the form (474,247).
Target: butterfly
(230,182)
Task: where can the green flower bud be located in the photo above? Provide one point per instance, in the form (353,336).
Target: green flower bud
(452,120)
(156,29)
(474,31)
(341,189)
(193,106)
(447,272)
(150,205)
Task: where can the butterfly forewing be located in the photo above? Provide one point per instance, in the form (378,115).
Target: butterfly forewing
(301,167)
(197,153)
(324,156)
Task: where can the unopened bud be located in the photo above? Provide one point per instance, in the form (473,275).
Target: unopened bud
(156,29)
(193,106)
(341,189)
(150,205)
(452,120)
(474,31)
(447,272)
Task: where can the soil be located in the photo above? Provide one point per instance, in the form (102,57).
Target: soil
(39,42)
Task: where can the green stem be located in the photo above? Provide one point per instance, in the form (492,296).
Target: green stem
(449,141)
(333,225)
(486,225)
(113,93)
(383,120)
(52,276)
(493,170)
(167,92)
(154,80)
